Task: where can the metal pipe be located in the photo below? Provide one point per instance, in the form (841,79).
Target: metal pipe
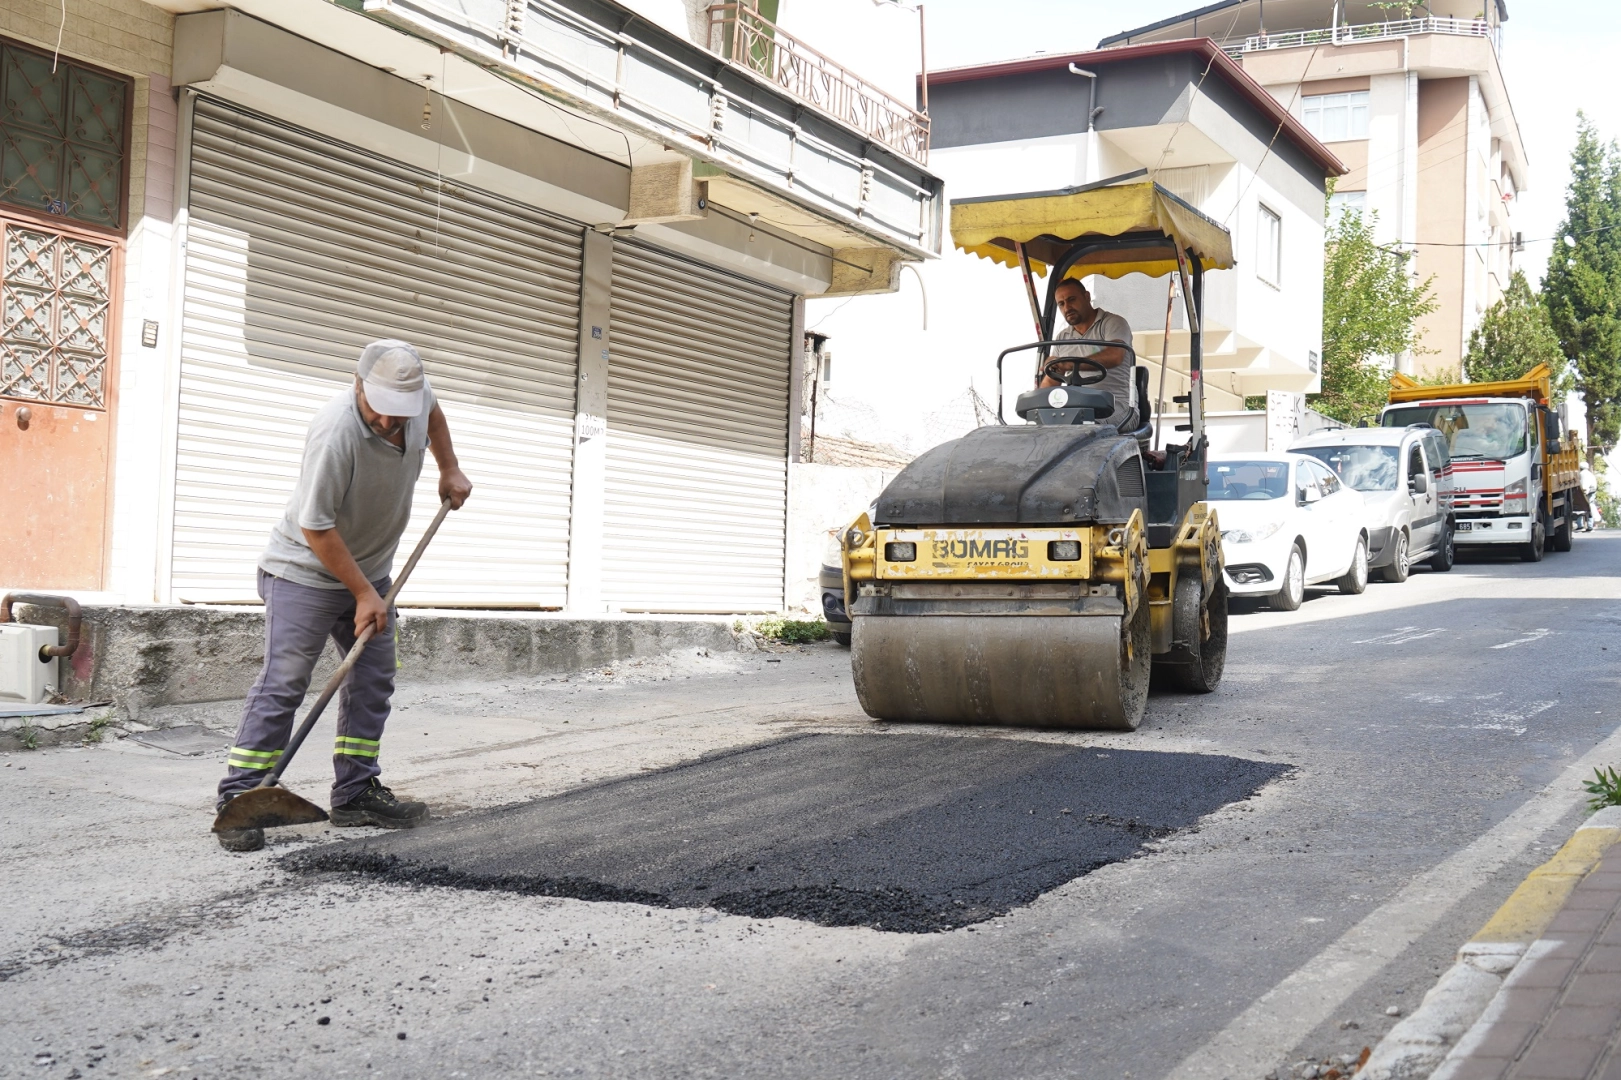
(1196,359)
(1092,93)
(1029,286)
(923,58)
(1164,360)
(70,605)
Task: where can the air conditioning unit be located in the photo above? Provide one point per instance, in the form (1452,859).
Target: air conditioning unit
(26,678)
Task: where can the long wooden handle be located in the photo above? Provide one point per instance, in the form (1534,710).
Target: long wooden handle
(353,656)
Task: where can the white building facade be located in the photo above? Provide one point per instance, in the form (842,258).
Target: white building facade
(1418,110)
(1217,140)
(598,223)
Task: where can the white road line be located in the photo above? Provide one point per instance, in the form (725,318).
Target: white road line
(1402,636)
(1260,1037)
(1524,639)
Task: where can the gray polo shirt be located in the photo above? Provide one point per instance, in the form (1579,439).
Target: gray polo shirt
(354,480)
(1119,381)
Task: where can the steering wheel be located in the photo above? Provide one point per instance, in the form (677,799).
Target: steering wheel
(1074,376)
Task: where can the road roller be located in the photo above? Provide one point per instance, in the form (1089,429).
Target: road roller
(1041,572)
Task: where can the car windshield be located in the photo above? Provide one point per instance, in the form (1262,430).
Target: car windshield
(1473,431)
(1231,480)
(1365,468)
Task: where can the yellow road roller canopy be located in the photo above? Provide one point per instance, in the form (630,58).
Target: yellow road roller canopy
(1049,224)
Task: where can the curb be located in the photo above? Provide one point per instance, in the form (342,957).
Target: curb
(1420,1044)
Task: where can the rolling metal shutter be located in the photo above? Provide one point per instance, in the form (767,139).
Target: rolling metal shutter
(696,502)
(300,251)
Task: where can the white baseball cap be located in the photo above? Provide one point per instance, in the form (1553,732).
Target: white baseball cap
(391,373)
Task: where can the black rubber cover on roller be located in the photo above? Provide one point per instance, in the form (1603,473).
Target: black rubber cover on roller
(1024,475)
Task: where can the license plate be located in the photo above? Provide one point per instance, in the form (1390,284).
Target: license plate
(1465,526)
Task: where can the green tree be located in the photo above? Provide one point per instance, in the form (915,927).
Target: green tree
(1582,288)
(1514,336)
(1371,308)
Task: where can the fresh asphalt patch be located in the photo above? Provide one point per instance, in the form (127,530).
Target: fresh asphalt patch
(907,833)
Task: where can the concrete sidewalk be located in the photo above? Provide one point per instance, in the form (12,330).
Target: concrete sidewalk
(1558,1014)
(1536,994)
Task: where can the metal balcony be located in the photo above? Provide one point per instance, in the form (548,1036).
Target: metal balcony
(746,38)
(1350,34)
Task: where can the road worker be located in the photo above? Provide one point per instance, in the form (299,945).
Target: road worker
(324,575)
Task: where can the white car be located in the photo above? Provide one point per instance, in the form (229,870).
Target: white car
(1287,522)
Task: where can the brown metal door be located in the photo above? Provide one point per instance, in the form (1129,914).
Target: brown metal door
(58,324)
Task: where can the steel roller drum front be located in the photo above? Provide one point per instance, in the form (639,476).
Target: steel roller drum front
(1063,671)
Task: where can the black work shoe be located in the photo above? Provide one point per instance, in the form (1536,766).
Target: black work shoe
(376,805)
(239,839)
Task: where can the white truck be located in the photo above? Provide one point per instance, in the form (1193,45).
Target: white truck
(1516,473)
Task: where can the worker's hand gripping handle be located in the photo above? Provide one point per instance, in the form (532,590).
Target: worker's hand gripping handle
(353,656)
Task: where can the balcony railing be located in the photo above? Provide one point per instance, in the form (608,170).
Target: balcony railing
(742,35)
(1344,35)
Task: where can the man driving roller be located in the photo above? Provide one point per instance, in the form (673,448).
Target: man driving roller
(1086,321)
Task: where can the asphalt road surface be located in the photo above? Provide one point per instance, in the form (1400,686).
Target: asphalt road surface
(1251,878)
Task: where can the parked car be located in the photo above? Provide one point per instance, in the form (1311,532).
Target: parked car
(1405,478)
(831,580)
(1286,523)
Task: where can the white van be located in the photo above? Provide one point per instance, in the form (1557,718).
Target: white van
(1406,489)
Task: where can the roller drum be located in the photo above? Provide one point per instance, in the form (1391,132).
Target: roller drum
(1020,671)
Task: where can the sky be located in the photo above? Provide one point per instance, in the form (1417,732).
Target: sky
(1558,56)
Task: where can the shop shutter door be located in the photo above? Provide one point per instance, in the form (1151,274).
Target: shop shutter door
(300,251)
(697,438)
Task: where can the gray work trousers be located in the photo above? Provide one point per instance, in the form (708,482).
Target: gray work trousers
(298,621)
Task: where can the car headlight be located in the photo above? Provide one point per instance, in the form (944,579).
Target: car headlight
(1251,535)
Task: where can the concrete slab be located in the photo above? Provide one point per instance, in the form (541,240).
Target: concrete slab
(142,658)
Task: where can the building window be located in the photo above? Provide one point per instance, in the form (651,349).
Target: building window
(1269,247)
(1335,117)
(62,138)
(1342,202)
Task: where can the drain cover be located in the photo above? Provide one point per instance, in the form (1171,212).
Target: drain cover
(911,833)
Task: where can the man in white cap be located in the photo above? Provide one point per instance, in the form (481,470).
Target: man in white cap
(325,572)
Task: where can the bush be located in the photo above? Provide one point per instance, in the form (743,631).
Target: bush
(792,631)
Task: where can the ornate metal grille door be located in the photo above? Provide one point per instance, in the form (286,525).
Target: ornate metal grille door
(58,397)
(55,306)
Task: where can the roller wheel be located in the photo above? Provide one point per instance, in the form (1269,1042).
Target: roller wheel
(1055,671)
(1402,564)
(1196,663)
(1446,554)
(1355,580)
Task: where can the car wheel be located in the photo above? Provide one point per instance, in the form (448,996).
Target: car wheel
(1532,552)
(1446,554)
(840,638)
(1293,592)
(1356,578)
(1401,565)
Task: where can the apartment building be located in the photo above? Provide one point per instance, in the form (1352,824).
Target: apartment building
(1412,99)
(599,222)
(1182,113)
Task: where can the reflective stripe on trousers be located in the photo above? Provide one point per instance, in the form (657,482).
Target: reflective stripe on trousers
(299,621)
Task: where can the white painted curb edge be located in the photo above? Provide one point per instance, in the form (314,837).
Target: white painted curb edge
(1417,1046)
